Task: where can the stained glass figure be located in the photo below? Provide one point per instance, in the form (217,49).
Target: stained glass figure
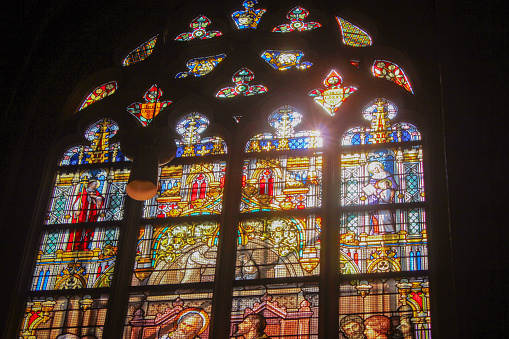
(141,52)
(353,35)
(333,95)
(201,66)
(198,25)
(297,16)
(99,93)
(390,71)
(383,240)
(177,253)
(177,314)
(241,78)
(249,17)
(100,149)
(399,307)
(278,247)
(379,112)
(91,195)
(284,120)
(284,311)
(282,60)
(192,144)
(51,317)
(148,110)
(188,189)
(76,258)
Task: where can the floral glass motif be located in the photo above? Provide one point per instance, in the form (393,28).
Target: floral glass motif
(177,253)
(396,308)
(100,149)
(201,66)
(241,78)
(141,52)
(297,15)
(287,311)
(379,112)
(146,111)
(381,241)
(50,317)
(192,144)
(188,189)
(390,71)
(76,258)
(249,17)
(282,60)
(91,195)
(278,247)
(174,314)
(353,35)
(198,25)
(333,95)
(99,93)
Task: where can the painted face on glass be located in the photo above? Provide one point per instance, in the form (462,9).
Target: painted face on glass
(352,329)
(188,328)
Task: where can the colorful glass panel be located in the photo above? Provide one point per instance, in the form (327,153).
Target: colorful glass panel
(390,71)
(282,183)
(99,93)
(333,95)
(188,189)
(141,52)
(75,258)
(176,253)
(78,316)
(178,314)
(91,195)
(278,247)
(383,240)
(353,35)
(249,17)
(388,308)
(192,144)
(100,149)
(282,60)
(148,110)
(241,78)
(382,176)
(297,16)
(198,25)
(201,66)
(283,311)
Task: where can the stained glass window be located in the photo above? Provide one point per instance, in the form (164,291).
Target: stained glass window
(201,66)
(198,25)
(297,16)
(99,93)
(353,35)
(390,71)
(141,52)
(242,78)
(192,144)
(282,60)
(148,110)
(249,17)
(333,95)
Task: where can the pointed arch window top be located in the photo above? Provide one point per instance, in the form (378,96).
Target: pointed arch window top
(141,52)
(283,120)
(241,78)
(249,17)
(353,35)
(391,72)
(333,95)
(198,25)
(283,60)
(201,66)
(192,144)
(148,110)
(99,93)
(297,16)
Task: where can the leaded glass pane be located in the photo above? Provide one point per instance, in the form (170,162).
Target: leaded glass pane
(141,52)
(353,35)
(390,71)
(99,93)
